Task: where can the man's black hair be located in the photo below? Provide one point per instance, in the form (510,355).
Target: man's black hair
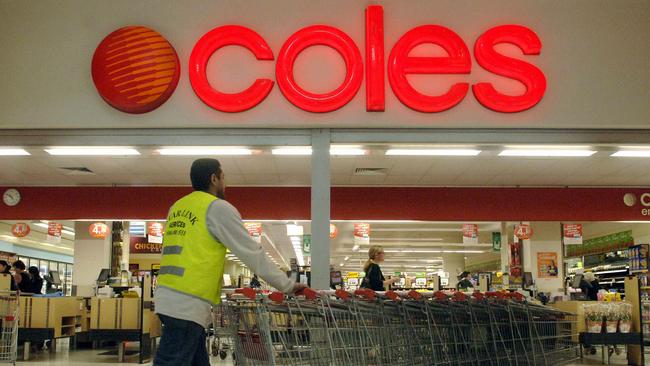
(202,170)
(19,265)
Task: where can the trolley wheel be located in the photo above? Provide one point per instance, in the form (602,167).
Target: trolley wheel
(223,355)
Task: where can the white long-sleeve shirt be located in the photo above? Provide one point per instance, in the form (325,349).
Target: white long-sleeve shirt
(225,224)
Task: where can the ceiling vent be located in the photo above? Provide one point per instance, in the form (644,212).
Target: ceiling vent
(370,171)
(76,171)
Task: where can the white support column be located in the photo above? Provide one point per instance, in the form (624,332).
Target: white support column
(90,256)
(453,263)
(505,248)
(320,209)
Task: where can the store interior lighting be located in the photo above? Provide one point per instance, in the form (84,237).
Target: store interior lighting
(13,152)
(204,150)
(632,154)
(92,151)
(306,150)
(548,151)
(433,152)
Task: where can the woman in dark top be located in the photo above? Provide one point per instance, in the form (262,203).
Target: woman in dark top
(4,269)
(374,279)
(37,280)
(464,281)
(590,286)
(23,280)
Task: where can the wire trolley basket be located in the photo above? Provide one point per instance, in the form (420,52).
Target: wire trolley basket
(8,326)
(397,328)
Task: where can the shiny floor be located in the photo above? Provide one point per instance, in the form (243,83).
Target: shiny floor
(64,357)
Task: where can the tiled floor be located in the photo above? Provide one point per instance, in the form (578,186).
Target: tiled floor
(63,357)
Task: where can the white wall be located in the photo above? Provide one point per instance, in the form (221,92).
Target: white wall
(90,256)
(546,238)
(594,56)
(454,264)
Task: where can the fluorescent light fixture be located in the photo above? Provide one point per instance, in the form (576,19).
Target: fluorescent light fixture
(632,154)
(406,239)
(355,248)
(292,150)
(13,152)
(204,150)
(294,230)
(433,152)
(346,258)
(68,232)
(548,152)
(307,150)
(341,265)
(92,151)
(347,151)
(463,251)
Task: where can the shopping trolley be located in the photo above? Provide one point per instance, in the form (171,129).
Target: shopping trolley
(219,342)
(8,326)
(397,328)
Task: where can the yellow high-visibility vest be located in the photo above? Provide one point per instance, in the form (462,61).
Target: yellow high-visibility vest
(193,260)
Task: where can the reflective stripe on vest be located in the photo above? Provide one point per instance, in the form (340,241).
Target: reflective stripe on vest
(193,260)
(171,270)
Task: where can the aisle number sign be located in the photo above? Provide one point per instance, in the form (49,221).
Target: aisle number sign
(98,230)
(572,234)
(20,229)
(523,231)
(470,234)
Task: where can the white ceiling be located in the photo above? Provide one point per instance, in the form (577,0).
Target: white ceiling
(264,169)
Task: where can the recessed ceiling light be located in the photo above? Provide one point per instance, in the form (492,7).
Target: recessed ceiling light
(204,150)
(13,152)
(92,151)
(433,152)
(632,154)
(307,150)
(347,151)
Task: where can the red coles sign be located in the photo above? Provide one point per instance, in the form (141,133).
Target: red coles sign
(400,64)
(20,229)
(98,230)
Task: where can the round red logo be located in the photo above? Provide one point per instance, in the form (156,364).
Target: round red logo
(135,69)
(98,230)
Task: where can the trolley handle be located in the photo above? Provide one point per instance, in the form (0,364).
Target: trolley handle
(366,293)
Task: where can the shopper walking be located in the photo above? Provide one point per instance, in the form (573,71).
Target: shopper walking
(37,280)
(5,269)
(200,227)
(255,282)
(590,286)
(374,278)
(23,279)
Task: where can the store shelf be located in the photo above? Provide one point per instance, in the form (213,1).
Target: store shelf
(645,287)
(638,271)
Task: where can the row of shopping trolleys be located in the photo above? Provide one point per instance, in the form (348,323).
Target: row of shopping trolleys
(394,328)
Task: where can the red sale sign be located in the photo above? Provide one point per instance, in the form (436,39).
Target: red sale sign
(572,234)
(523,231)
(254,230)
(155,228)
(470,234)
(20,229)
(98,230)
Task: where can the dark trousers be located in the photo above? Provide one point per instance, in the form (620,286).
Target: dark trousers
(182,344)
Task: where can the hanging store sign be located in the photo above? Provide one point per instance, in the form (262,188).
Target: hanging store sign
(54,231)
(361,234)
(254,230)
(20,229)
(155,228)
(496,241)
(470,234)
(136,70)
(334,231)
(306,243)
(572,234)
(98,230)
(523,231)
(140,245)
